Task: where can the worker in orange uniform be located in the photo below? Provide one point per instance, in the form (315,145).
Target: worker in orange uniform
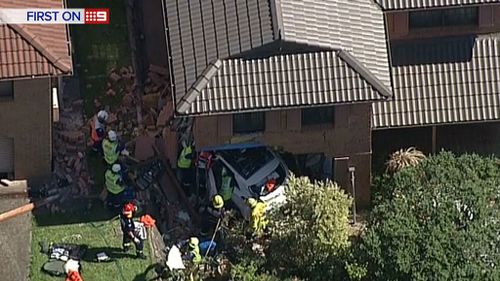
(98,130)
(258,220)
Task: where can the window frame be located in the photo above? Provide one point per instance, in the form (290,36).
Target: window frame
(10,88)
(423,19)
(246,128)
(323,121)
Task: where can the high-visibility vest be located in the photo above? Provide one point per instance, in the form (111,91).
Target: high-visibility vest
(183,162)
(258,220)
(195,253)
(112,184)
(110,153)
(226,190)
(93,127)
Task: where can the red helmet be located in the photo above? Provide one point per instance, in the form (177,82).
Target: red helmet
(128,209)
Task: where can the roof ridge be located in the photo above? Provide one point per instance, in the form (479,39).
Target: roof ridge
(365,73)
(33,40)
(198,86)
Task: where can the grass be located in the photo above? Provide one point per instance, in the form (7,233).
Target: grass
(98,49)
(99,233)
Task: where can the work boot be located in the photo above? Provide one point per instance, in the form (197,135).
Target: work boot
(140,255)
(126,247)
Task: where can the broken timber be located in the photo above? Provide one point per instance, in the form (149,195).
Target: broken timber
(27,208)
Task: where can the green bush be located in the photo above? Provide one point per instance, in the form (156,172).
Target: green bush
(436,221)
(309,233)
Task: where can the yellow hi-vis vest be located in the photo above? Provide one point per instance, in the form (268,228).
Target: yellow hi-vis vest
(226,190)
(183,162)
(195,252)
(258,221)
(110,153)
(112,184)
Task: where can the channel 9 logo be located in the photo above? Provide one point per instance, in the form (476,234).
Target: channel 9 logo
(55,16)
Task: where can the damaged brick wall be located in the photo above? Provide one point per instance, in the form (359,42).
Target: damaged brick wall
(348,136)
(27,119)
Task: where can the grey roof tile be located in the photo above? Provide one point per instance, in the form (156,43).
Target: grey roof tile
(443,81)
(418,4)
(353,25)
(280,81)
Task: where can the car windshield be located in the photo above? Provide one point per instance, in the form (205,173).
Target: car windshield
(247,161)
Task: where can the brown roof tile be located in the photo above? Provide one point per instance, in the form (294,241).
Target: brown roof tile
(33,50)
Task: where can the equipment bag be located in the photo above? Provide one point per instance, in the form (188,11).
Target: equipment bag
(54,267)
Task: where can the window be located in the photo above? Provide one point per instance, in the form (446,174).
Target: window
(444,17)
(6,89)
(244,123)
(317,116)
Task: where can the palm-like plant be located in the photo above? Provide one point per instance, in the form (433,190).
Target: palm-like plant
(404,158)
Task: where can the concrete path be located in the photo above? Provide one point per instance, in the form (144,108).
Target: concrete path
(15,242)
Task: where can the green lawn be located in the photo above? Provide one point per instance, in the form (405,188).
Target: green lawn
(98,49)
(97,232)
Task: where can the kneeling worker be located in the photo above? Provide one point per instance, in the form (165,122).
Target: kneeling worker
(193,251)
(112,148)
(114,186)
(129,230)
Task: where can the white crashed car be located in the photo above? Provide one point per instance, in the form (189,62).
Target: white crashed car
(252,166)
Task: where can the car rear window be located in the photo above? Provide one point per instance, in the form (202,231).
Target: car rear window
(247,161)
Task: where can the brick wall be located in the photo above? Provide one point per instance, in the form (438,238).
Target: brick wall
(398,25)
(27,119)
(349,136)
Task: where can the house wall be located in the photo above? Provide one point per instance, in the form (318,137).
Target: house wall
(398,25)
(349,136)
(27,119)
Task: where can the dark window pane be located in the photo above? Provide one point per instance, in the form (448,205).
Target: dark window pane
(444,17)
(463,16)
(422,19)
(314,116)
(6,90)
(248,122)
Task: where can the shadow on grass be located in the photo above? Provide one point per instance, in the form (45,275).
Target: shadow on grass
(77,211)
(113,252)
(152,272)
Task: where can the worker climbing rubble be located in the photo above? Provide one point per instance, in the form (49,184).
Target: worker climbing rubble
(115,186)
(112,148)
(132,231)
(184,167)
(192,253)
(258,220)
(98,130)
(212,214)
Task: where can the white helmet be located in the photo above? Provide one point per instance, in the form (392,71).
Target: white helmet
(116,168)
(112,135)
(102,116)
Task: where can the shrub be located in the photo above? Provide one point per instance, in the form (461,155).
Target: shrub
(309,233)
(438,220)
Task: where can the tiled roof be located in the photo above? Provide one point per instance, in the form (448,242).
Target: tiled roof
(416,4)
(202,31)
(237,85)
(353,25)
(450,80)
(33,50)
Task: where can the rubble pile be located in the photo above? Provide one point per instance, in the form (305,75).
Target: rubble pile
(155,105)
(69,141)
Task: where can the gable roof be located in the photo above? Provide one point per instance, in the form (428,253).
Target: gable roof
(33,50)
(356,26)
(443,81)
(419,4)
(201,32)
(321,78)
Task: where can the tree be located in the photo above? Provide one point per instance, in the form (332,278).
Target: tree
(439,220)
(310,232)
